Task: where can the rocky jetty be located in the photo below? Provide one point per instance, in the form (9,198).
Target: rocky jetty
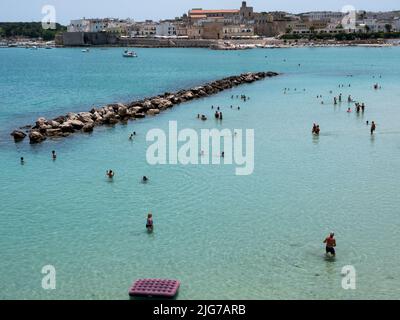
(111,114)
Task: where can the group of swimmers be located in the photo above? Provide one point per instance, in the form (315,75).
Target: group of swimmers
(132,135)
(110,174)
(242,97)
(316,130)
(377,86)
(53,156)
(218,115)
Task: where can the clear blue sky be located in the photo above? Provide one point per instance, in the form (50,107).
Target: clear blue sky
(30,10)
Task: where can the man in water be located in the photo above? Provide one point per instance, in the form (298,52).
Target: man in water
(145,179)
(22,161)
(149,223)
(373,127)
(53,153)
(330,242)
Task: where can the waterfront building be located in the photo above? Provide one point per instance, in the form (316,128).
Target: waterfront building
(166,29)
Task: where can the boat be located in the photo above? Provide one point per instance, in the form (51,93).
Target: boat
(129,54)
(85,50)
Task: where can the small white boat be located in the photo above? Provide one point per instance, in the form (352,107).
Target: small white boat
(85,50)
(129,54)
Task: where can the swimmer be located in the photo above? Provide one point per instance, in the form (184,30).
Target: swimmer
(53,153)
(216,115)
(203,117)
(131,137)
(220,116)
(373,127)
(348,110)
(22,161)
(145,179)
(330,242)
(110,174)
(367,123)
(149,223)
(198,116)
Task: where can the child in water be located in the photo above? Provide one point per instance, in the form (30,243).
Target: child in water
(149,223)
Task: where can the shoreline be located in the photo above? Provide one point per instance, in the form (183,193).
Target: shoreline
(111,114)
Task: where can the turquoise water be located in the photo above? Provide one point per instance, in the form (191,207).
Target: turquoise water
(224,236)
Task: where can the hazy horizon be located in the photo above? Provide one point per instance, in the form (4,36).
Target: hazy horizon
(31,10)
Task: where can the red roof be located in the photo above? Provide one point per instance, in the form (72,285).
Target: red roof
(212,11)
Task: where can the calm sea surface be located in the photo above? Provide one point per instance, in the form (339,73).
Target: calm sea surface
(223,236)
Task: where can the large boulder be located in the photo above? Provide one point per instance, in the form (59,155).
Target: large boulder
(140,115)
(54,132)
(122,111)
(60,119)
(85,117)
(153,112)
(77,124)
(67,127)
(18,135)
(40,122)
(88,127)
(54,124)
(72,116)
(164,104)
(36,137)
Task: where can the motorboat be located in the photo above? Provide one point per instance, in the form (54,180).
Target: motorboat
(129,54)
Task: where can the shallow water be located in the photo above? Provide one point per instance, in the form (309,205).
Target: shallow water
(224,236)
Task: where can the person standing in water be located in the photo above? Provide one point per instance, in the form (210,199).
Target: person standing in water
(330,242)
(373,127)
(22,161)
(53,153)
(149,223)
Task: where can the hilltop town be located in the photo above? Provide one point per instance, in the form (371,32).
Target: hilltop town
(222,27)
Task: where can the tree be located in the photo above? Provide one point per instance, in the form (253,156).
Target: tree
(367,28)
(388,28)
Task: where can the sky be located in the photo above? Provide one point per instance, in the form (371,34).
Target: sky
(31,10)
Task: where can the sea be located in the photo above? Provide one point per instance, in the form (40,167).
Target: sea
(222,235)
